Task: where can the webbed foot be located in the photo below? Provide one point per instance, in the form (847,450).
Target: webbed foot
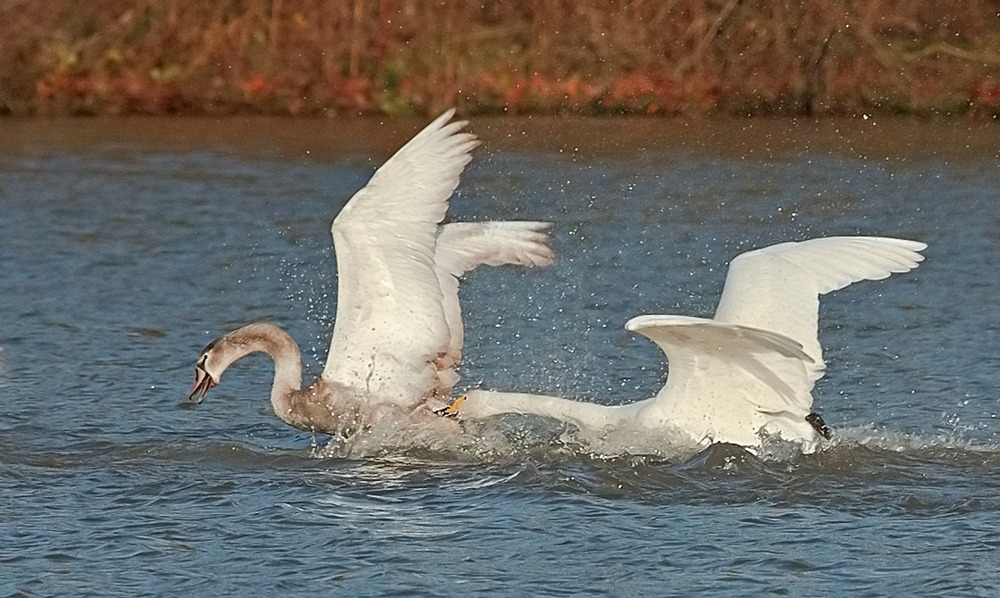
(452,409)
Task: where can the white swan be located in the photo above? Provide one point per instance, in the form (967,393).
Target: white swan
(747,373)
(398,330)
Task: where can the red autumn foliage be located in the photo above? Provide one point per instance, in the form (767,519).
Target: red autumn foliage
(541,56)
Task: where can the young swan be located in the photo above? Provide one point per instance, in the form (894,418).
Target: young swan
(398,332)
(745,374)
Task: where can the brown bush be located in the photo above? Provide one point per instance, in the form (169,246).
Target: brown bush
(411,56)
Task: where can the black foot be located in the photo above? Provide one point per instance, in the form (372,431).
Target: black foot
(816,421)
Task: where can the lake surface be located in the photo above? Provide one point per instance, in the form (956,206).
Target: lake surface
(126,246)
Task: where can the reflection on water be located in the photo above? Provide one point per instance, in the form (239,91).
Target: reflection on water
(126,246)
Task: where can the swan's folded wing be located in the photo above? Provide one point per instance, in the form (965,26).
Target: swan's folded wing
(461,247)
(777,288)
(728,379)
(389,325)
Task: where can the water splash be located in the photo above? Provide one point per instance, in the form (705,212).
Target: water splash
(520,439)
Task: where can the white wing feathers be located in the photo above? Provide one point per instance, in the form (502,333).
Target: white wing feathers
(389,325)
(414,185)
(777,288)
(752,368)
(762,349)
(713,364)
(461,247)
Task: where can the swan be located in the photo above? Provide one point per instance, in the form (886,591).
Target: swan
(745,374)
(398,333)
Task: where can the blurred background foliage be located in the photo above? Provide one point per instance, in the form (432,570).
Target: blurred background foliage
(311,57)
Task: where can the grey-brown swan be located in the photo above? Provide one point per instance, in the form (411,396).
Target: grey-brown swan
(397,336)
(748,372)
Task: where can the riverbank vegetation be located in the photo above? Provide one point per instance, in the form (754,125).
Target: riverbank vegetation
(314,57)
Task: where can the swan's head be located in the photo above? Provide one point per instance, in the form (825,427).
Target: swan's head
(206,373)
(225,350)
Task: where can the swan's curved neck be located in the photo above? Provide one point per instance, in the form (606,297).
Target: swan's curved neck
(276,343)
(480,404)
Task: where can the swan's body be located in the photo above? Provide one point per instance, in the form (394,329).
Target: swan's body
(398,330)
(749,371)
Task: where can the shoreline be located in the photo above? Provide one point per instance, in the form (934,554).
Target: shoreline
(895,138)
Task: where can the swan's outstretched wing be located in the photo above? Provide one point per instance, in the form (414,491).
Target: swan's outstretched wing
(461,247)
(390,325)
(778,287)
(727,381)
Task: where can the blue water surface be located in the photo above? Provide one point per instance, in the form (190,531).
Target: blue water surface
(126,246)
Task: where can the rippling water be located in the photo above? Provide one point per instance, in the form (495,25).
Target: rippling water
(125,246)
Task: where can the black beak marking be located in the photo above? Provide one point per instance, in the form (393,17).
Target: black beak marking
(203,382)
